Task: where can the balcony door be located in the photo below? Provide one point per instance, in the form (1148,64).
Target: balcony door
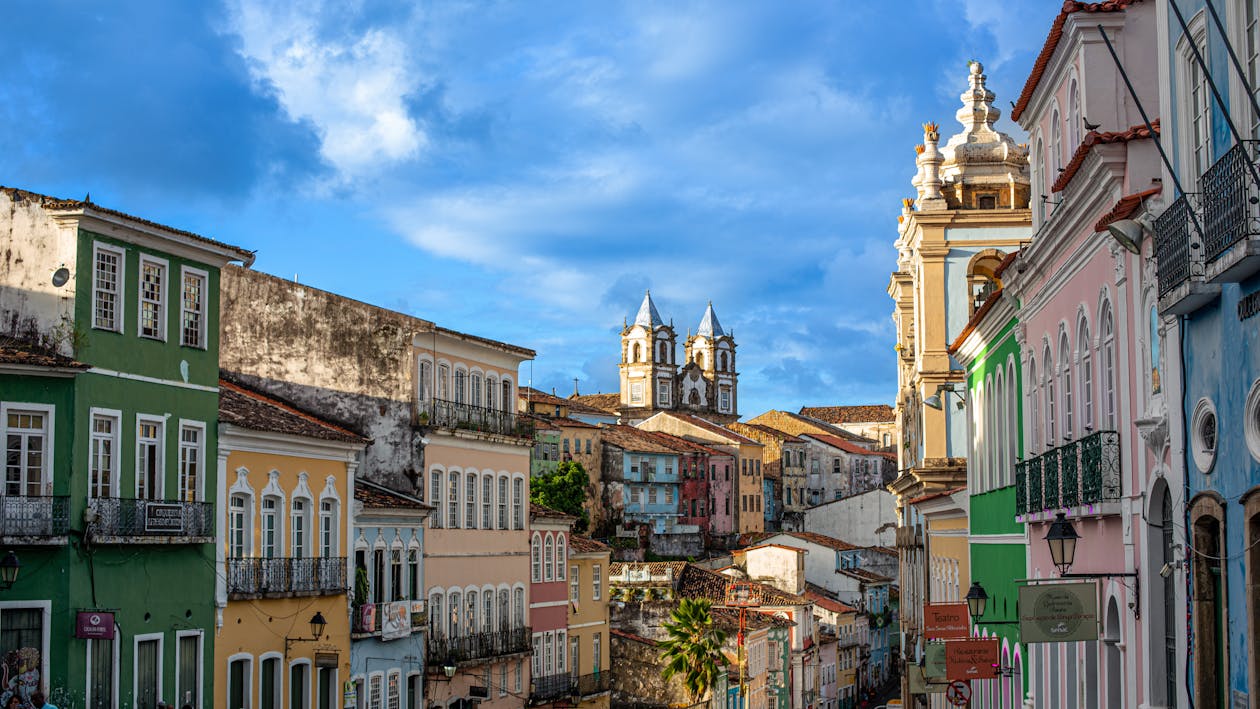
(26,446)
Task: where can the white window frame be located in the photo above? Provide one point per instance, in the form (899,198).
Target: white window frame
(1183,102)
(45,608)
(200,427)
(251,696)
(202,333)
(662,392)
(87,680)
(310,680)
(164,296)
(161,454)
(201,663)
(367,701)
(331,517)
(135,662)
(115,440)
(118,291)
(636,392)
(597,582)
(306,525)
(50,427)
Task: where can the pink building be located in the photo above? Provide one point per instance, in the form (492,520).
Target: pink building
(1095,431)
(549,604)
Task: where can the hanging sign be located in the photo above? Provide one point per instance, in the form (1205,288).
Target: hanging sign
(934,661)
(976,658)
(919,684)
(946,620)
(395,620)
(94,625)
(1059,612)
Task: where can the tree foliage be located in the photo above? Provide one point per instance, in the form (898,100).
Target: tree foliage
(563,490)
(694,648)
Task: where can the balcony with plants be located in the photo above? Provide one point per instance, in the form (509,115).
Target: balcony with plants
(1083,476)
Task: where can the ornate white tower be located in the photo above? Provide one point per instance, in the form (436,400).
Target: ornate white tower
(709,379)
(649,369)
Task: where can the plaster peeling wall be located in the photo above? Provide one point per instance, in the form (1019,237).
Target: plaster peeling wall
(32,247)
(857,519)
(334,356)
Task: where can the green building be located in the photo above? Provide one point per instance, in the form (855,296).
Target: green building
(109,366)
(544,458)
(989,349)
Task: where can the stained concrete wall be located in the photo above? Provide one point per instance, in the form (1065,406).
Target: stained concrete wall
(32,247)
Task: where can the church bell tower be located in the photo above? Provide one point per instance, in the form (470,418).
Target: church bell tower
(649,369)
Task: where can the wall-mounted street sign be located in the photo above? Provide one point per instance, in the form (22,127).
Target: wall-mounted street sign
(946,621)
(934,661)
(160,518)
(976,658)
(94,625)
(1058,612)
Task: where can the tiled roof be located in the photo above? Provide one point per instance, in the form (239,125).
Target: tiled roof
(373,495)
(818,423)
(256,411)
(632,439)
(29,355)
(1093,138)
(822,598)
(579,544)
(739,427)
(1005,264)
(864,575)
(819,539)
(604,403)
(976,319)
(569,422)
(55,204)
(882,550)
(866,413)
(699,582)
(1125,207)
(842,444)
(655,568)
(713,428)
(680,444)
(935,495)
(540,397)
(772,470)
(537,511)
(764,546)
(728,618)
(1052,41)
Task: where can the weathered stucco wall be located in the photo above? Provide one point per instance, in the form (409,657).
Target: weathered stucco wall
(338,357)
(865,520)
(32,247)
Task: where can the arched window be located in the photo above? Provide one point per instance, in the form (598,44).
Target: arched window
(461,382)
(474,389)
(724,361)
(452,500)
(1074,122)
(549,559)
(1034,410)
(507,401)
(437,626)
(492,390)
(518,608)
(503,502)
(637,353)
(487,488)
(269,527)
(535,558)
(1056,146)
(454,609)
(1168,555)
(327,528)
(561,557)
(240,526)
(435,499)
(1012,419)
(664,353)
(424,377)
(1000,433)
(300,527)
(1065,366)
(518,503)
(1039,180)
(505,618)
(1108,356)
(1048,368)
(443,382)
(1208,600)
(487,610)
(1087,376)
(470,501)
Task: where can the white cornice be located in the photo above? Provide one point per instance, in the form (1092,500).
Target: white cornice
(151,236)
(1079,29)
(38,371)
(236,439)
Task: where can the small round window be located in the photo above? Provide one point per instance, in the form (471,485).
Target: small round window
(1251,420)
(1203,435)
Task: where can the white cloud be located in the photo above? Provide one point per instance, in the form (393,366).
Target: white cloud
(351,88)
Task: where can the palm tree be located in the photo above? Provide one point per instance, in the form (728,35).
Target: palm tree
(694,648)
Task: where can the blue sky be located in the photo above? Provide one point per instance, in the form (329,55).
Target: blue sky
(524,170)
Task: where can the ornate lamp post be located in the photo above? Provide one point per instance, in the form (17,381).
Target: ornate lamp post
(9,567)
(1062,538)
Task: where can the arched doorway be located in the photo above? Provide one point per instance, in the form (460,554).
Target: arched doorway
(1111,640)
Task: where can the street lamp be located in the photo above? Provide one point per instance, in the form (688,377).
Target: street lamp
(318,624)
(935,401)
(977,599)
(1062,540)
(9,567)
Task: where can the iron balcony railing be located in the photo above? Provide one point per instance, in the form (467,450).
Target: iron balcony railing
(548,689)
(39,517)
(453,414)
(478,646)
(1230,198)
(292,575)
(114,517)
(1175,238)
(594,683)
(1083,472)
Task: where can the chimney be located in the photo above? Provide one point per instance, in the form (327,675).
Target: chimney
(575,386)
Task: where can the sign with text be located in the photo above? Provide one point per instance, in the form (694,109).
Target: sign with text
(395,620)
(94,625)
(976,658)
(1060,612)
(934,661)
(946,621)
(162,518)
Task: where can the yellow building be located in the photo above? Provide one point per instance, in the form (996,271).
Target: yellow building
(283,636)
(589,648)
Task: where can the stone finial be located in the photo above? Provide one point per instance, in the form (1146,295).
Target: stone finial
(931,132)
(907,205)
(929,177)
(977,113)
(918,149)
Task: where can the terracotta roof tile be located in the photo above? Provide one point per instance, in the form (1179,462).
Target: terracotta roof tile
(579,544)
(535,396)
(822,598)
(253,410)
(30,355)
(1093,138)
(1052,42)
(934,495)
(864,575)
(375,495)
(772,470)
(632,439)
(655,568)
(976,319)
(713,428)
(750,429)
(680,444)
(699,582)
(537,511)
(1125,207)
(842,444)
(826,426)
(820,539)
(604,403)
(867,413)
(570,422)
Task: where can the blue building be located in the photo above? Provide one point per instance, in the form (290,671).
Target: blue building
(1207,244)
(645,472)
(874,589)
(389,619)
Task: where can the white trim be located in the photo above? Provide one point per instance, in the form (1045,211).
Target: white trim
(1204,459)
(50,430)
(46,622)
(160,493)
(200,492)
(119,286)
(116,453)
(591,624)
(163,296)
(204,333)
(250,695)
(135,661)
(87,679)
(995,538)
(278,685)
(549,604)
(151,380)
(201,663)
(288,680)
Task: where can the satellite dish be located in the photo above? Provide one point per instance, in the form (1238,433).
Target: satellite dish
(61,276)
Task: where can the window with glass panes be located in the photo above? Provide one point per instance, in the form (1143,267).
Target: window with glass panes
(152,299)
(470,501)
(101,679)
(269,526)
(435,499)
(392,690)
(518,503)
(26,445)
(106,279)
(597,583)
(148,669)
(413,573)
(461,379)
(103,455)
(379,579)
(396,574)
(503,503)
(474,390)
(149,464)
(237,520)
(299,523)
(193,310)
(574,584)
(189,462)
(452,500)
(189,669)
(327,529)
(487,485)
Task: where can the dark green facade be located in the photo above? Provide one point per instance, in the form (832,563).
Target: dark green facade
(147,556)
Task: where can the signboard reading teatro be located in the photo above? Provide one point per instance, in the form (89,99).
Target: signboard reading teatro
(946,621)
(976,658)
(1060,612)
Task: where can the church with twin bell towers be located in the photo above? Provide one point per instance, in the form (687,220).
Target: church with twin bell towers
(704,383)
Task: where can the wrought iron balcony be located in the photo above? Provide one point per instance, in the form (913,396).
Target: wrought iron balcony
(1230,196)
(310,576)
(34,520)
(153,521)
(478,646)
(1083,472)
(595,683)
(543,690)
(452,414)
(1176,245)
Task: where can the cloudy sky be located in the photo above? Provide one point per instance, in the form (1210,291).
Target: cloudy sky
(524,170)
